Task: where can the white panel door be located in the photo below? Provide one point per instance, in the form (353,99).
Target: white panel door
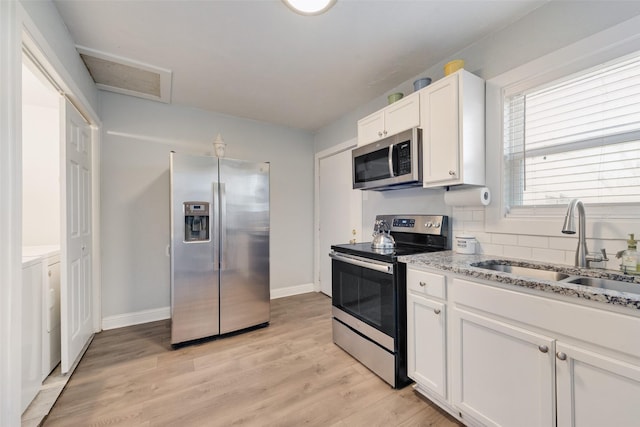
(340,210)
(76,285)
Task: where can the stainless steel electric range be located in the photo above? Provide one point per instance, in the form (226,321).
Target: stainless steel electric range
(369,296)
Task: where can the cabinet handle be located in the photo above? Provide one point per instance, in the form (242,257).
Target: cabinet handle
(436,310)
(49,273)
(423,284)
(384,131)
(379,133)
(561,355)
(452,173)
(543,348)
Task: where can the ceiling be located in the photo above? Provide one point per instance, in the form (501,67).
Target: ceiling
(257,59)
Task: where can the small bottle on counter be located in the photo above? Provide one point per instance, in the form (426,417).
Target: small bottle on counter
(630,256)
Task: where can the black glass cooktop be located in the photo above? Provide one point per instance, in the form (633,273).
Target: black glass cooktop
(389,255)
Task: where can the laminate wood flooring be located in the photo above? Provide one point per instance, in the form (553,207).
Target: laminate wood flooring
(287,374)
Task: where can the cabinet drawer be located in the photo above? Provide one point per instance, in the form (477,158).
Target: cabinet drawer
(426,283)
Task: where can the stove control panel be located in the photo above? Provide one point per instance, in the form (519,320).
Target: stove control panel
(420,224)
(404,222)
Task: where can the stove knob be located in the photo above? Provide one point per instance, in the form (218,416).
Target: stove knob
(428,225)
(436,225)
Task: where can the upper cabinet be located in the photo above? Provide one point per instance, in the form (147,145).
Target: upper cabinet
(451,113)
(395,118)
(452,117)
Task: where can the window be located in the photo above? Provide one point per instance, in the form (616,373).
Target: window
(576,137)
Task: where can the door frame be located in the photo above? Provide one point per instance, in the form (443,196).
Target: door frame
(51,66)
(18,31)
(347,145)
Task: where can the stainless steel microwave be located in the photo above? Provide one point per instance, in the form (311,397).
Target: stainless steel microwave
(389,164)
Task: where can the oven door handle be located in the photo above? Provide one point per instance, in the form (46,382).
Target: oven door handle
(382,267)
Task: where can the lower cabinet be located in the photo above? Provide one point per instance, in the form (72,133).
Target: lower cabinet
(502,375)
(496,356)
(31,350)
(426,345)
(596,390)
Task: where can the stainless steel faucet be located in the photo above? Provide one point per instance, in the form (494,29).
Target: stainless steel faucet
(583,257)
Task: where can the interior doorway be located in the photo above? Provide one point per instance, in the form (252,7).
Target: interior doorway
(339,212)
(41,233)
(58,314)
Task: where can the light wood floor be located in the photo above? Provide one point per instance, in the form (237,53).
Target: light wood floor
(287,374)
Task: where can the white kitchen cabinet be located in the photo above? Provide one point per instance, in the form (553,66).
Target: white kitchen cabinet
(426,347)
(503,375)
(51,332)
(427,333)
(452,117)
(595,390)
(523,359)
(395,118)
(31,355)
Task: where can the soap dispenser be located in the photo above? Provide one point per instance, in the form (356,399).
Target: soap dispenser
(630,256)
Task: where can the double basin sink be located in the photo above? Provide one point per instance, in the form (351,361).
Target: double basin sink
(556,276)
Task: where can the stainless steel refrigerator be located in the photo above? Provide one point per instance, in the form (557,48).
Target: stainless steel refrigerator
(219,246)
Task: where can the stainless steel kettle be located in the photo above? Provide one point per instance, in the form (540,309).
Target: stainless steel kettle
(382,238)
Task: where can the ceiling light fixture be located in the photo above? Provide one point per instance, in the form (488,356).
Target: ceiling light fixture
(309,7)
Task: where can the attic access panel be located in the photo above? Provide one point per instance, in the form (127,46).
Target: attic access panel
(126,76)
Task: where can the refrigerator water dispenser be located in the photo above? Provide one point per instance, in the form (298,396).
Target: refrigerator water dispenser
(196,221)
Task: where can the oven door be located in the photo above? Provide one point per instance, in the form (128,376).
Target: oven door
(366,290)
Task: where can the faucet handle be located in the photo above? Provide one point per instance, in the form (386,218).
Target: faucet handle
(597,257)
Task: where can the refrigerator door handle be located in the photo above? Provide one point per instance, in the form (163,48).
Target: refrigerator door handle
(223,225)
(215,227)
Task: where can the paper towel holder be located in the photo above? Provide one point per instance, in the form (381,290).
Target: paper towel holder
(468,196)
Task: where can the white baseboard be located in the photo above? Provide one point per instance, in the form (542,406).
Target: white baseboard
(146,316)
(129,319)
(292,290)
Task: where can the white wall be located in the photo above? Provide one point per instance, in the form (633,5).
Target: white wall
(137,138)
(547,29)
(40,176)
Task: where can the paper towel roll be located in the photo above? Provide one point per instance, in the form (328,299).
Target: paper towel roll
(476,196)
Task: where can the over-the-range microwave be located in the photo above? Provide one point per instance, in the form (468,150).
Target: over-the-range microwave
(389,164)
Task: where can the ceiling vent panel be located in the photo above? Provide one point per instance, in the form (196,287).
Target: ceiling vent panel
(125,76)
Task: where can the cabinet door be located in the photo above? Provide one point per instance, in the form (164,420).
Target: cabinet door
(502,375)
(426,344)
(371,128)
(31,349)
(595,390)
(402,115)
(51,335)
(439,111)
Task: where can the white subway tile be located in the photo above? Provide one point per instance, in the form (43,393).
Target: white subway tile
(533,241)
(563,243)
(548,255)
(517,252)
(478,215)
(482,237)
(504,239)
(491,249)
(473,226)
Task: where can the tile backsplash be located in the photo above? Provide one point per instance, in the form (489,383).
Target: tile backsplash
(554,249)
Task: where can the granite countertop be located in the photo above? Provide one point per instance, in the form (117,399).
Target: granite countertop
(449,261)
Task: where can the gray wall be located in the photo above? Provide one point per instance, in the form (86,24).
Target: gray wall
(137,138)
(56,40)
(547,29)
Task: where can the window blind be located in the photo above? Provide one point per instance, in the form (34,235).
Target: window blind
(578,137)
